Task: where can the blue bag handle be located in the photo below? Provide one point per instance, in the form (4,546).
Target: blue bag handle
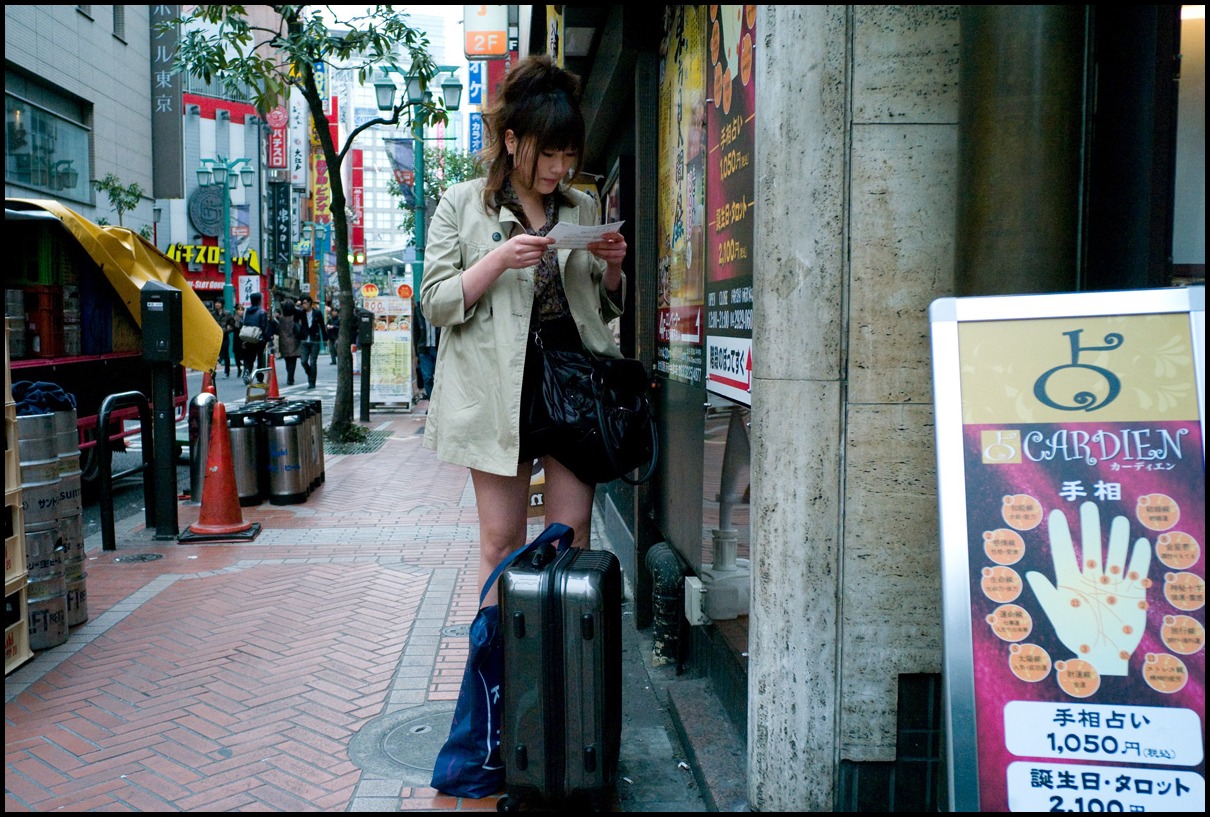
(555,532)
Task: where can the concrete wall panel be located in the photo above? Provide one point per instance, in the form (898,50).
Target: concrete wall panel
(891,593)
(905,64)
(800,168)
(902,256)
(792,633)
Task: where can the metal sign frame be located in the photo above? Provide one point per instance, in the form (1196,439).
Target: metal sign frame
(960,541)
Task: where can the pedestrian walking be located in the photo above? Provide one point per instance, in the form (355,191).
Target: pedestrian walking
(332,329)
(496,302)
(254,347)
(288,342)
(237,346)
(225,322)
(425,338)
(311,335)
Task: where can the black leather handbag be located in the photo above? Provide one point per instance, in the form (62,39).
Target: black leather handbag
(598,416)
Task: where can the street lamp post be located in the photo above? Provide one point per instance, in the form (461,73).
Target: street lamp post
(417,96)
(318,234)
(226,174)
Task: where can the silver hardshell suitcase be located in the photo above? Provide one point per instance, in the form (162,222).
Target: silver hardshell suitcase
(561,618)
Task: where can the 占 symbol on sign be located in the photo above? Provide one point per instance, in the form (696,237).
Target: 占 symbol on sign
(1082,400)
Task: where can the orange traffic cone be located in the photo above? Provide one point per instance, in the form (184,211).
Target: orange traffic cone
(273,394)
(220,516)
(208,383)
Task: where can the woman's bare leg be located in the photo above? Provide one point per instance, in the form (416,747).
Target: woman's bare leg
(568,501)
(503,504)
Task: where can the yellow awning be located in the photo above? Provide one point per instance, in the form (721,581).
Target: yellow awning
(129,261)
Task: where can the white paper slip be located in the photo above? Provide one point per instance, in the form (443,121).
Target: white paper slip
(574,237)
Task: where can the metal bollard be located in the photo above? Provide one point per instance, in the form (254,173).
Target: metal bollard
(201,414)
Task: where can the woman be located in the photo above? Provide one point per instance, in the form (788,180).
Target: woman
(495,286)
(225,323)
(287,339)
(237,346)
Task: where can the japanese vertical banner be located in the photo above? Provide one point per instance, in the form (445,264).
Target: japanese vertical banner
(299,139)
(167,123)
(279,128)
(1071,479)
(730,201)
(357,230)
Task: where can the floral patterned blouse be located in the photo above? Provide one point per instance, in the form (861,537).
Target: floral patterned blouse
(550,302)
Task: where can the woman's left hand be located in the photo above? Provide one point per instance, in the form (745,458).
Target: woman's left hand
(610,248)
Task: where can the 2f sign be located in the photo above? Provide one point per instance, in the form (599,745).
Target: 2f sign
(486,30)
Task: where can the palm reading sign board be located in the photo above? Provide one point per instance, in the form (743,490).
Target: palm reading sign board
(1071,481)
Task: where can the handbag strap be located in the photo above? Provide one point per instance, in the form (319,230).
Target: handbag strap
(556,533)
(655,450)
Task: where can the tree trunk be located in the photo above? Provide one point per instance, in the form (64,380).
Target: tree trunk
(342,412)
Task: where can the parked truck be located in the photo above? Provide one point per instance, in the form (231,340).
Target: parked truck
(73,315)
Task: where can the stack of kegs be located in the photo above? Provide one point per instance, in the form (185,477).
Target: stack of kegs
(41,486)
(71,524)
(277,447)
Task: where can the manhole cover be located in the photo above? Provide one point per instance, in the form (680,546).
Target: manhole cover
(140,557)
(457,631)
(403,745)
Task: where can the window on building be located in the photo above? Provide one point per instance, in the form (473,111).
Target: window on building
(46,150)
(119,22)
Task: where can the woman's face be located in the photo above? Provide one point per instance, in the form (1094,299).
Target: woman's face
(551,168)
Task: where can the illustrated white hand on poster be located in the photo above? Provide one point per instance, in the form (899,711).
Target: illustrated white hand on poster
(1098,608)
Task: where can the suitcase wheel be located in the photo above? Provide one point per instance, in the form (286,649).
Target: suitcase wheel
(506,803)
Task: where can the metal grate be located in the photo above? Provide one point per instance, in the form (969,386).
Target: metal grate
(369,445)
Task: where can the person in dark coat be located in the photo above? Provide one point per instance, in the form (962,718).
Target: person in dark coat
(288,347)
(225,322)
(333,331)
(253,352)
(311,334)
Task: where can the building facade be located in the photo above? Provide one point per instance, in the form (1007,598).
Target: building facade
(77,99)
(898,154)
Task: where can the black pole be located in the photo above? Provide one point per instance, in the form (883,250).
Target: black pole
(365,383)
(166,522)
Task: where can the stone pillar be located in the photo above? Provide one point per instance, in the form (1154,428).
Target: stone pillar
(801,144)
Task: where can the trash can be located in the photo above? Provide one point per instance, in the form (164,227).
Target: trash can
(243,424)
(317,443)
(285,429)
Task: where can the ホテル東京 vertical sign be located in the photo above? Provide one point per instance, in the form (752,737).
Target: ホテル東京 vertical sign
(1071,481)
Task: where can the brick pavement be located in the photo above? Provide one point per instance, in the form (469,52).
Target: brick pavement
(228,677)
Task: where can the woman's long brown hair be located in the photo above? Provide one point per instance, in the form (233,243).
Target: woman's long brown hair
(540,103)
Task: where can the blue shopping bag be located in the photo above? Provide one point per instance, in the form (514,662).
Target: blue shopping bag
(469,763)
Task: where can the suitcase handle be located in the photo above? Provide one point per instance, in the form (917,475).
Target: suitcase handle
(557,534)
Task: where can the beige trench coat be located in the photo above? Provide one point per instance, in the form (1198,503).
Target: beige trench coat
(474,414)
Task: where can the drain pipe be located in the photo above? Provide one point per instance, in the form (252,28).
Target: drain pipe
(726,581)
(737,456)
(667,594)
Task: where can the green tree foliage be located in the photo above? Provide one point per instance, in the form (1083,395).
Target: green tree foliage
(224,43)
(442,168)
(122,197)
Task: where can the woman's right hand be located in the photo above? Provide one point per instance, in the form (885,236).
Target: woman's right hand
(522,251)
(518,252)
